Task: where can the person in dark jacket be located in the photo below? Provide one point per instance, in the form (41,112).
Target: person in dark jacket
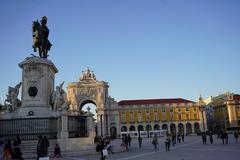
(211,137)
(17,154)
(8,149)
(45,144)
(57,151)
(204,138)
(102,147)
(140,141)
(129,139)
(39,147)
(167,143)
(179,138)
(236,136)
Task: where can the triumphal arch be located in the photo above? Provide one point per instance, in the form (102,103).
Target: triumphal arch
(89,90)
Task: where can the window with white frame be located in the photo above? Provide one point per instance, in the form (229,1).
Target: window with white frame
(123,117)
(148,116)
(179,116)
(195,115)
(139,116)
(163,109)
(187,116)
(155,115)
(131,117)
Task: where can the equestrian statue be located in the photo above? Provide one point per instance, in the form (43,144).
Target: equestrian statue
(40,34)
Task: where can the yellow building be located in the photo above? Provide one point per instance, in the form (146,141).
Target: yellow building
(175,115)
(226,111)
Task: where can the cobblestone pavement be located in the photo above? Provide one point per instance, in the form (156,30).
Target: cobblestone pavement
(191,149)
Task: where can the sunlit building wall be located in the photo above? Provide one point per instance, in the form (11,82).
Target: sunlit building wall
(175,115)
(226,111)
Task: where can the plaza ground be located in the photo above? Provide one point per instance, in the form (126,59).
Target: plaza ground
(191,149)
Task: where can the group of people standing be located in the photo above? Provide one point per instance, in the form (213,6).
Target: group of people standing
(42,147)
(104,146)
(126,141)
(174,139)
(204,137)
(223,135)
(12,150)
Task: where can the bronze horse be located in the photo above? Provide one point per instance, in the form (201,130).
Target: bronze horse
(40,39)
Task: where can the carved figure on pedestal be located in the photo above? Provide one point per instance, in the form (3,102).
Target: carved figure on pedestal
(12,102)
(40,37)
(59,99)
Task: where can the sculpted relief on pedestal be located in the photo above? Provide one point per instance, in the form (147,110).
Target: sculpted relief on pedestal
(12,102)
(59,99)
(33,75)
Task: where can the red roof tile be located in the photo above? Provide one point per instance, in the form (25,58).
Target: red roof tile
(153,101)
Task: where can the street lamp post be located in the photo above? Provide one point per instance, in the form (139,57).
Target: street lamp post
(224,117)
(148,127)
(139,136)
(202,109)
(201,104)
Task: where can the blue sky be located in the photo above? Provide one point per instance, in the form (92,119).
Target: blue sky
(142,48)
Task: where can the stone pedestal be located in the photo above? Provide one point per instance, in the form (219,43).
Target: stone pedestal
(91,127)
(83,143)
(64,127)
(38,76)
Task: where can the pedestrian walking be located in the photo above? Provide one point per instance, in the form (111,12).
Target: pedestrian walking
(179,138)
(18,139)
(226,137)
(223,137)
(167,143)
(182,137)
(204,138)
(218,134)
(45,145)
(155,141)
(126,142)
(236,136)
(57,151)
(39,147)
(140,141)
(102,147)
(129,139)
(173,140)
(7,151)
(211,137)
(17,154)
(109,147)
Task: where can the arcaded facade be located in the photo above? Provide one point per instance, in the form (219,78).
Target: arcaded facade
(175,115)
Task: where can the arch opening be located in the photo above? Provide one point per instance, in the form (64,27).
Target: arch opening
(189,128)
(180,128)
(197,128)
(173,128)
(132,128)
(89,105)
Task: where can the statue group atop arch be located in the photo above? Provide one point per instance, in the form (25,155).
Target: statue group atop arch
(87,75)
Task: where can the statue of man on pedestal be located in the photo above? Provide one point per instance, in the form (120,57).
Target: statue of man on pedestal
(40,37)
